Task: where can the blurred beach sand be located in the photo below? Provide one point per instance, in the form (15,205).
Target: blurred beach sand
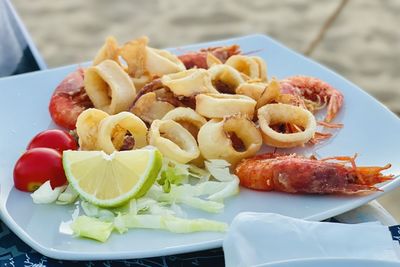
(363,43)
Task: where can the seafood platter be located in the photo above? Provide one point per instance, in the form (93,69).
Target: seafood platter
(147,152)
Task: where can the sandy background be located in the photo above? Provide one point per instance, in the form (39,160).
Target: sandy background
(362,44)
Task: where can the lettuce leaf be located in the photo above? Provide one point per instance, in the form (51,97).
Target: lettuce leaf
(219,169)
(68,196)
(45,194)
(93,228)
(170,223)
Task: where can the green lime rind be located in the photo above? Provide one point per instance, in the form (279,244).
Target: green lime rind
(153,173)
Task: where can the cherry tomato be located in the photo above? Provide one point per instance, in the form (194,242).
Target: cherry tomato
(57,139)
(69,100)
(37,166)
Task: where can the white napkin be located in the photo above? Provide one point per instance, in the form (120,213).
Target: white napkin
(258,238)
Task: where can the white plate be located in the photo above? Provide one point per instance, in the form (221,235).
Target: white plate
(333,263)
(370,130)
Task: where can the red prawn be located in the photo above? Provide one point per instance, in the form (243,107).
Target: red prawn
(298,174)
(316,91)
(69,100)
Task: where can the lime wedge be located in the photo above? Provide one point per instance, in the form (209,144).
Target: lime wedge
(111,180)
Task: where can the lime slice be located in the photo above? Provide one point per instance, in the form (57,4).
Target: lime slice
(111,180)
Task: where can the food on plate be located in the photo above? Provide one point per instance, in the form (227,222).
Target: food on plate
(199,59)
(111,180)
(250,67)
(109,87)
(188,118)
(42,162)
(150,107)
(173,140)
(163,190)
(54,138)
(189,82)
(143,60)
(297,174)
(253,89)
(122,131)
(156,130)
(222,105)
(272,93)
(273,116)
(212,60)
(110,50)
(232,139)
(87,128)
(262,67)
(318,92)
(69,100)
(36,166)
(225,78)
(97,130)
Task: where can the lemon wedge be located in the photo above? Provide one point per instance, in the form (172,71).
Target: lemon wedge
(111,180)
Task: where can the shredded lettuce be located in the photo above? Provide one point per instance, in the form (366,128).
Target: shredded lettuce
(177,183)
(196,172)
(213,192)
(231,188)
(219,169)
(68,196)
(45,194)
(93,228)
(94,211)
(206,205)
(172,172)
(169,223)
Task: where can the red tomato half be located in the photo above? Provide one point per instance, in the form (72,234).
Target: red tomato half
(57,139)
(37,166)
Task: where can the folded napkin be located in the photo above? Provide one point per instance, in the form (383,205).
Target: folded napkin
(258,238)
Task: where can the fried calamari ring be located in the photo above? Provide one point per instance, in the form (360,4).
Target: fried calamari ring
(262,68)
(144,60)
(216,139)
(113,129)
(109,87)
(225,78)
(251,89)
(189,82)
(173,140)
(149,108)
(87,126)
(271,93)
(110,50)
(221,105)
(212,60)
(188,118)
(251,67)
(160,62)
(274,114)
(141,81)
(134,54)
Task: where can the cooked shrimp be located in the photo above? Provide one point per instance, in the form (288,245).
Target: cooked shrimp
(69,100)
(297,174)
(199,59)
(316,91)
